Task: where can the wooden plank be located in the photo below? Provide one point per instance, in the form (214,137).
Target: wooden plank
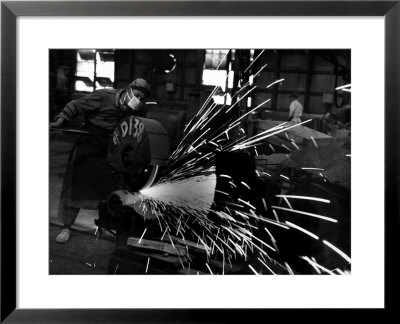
(157,246)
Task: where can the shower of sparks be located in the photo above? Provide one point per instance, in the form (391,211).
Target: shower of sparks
(183,198)
(338,251)
(195,193)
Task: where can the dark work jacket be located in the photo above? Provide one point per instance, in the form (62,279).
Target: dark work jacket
(100,108)
(88,177)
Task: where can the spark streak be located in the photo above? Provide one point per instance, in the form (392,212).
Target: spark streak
(317,169)
(289,269)
(344,86)
(313,140)
(209,269)
(264,135)
(265,265)
(305,197)
(250,112)
(318,265)
(254,60)
(142,235)
(288,203)
(305,213)
(247,203)
(338,251)
(252,269)
(312,263)
(301,229)
(241,99)
(275,82)
(245,184)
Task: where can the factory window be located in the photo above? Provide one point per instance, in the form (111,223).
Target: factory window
(215,72)
(94,70)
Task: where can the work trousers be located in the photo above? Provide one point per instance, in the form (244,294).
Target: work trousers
(69,215)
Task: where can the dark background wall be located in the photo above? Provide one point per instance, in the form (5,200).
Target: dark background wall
(314,74)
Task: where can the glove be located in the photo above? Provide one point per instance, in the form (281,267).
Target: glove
(57,123)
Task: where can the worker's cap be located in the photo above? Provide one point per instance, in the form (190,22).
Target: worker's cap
(141,85)
(294,95)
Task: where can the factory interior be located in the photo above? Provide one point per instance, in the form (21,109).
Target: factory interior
(226,179)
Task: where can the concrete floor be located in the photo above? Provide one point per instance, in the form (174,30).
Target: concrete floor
(83,254)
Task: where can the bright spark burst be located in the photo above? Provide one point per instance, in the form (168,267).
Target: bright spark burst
(184,195)
(195,193)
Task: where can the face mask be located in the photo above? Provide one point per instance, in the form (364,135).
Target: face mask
(134,103)
(131,100)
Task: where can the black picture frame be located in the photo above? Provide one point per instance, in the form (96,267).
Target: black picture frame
(10,10)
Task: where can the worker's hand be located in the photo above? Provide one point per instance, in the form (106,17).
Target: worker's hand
(57,123)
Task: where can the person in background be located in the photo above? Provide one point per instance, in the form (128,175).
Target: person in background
(295,108)
(88,178)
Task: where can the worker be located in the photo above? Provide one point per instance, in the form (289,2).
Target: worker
(88,178)
(295,108)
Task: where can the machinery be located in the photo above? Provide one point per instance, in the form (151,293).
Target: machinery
(139,149)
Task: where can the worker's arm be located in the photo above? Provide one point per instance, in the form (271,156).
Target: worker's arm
(84,105)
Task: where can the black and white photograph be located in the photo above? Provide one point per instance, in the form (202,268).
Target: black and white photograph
(199,161)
